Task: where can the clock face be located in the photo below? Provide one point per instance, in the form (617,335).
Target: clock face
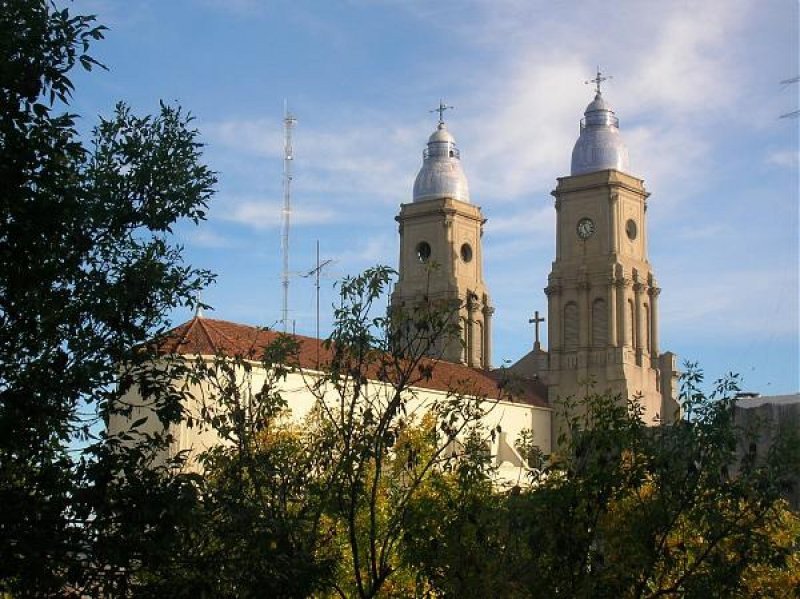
(585,228)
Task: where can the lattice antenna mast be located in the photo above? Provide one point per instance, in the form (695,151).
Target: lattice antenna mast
(288,156)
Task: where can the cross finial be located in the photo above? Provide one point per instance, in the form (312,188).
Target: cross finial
(598,80)
(198,301)
(440,110)
(536,321)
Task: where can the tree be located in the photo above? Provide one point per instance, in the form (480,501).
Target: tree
(88,273)
(626,510)
(376,463)
(289,508)
(378,494)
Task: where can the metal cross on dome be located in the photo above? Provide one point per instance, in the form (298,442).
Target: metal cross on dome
(598,80)
(440,110)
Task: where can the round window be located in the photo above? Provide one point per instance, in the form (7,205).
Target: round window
(631,229)
(423,251)
(466,252)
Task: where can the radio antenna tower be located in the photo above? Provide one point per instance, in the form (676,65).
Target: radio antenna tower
(288,124)
(315,272)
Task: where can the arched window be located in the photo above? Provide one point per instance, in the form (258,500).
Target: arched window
(571,325)
(599,323)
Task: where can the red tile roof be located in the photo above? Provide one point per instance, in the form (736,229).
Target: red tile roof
(208,336)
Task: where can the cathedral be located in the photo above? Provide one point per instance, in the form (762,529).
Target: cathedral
(602,293)
(602,314)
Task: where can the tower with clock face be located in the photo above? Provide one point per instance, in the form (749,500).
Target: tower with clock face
(441,255)
(602,293)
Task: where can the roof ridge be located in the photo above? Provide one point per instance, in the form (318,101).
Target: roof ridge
(204,328)
(231,339)
(218,331)
(256,329)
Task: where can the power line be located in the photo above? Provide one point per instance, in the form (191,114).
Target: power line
(794,113)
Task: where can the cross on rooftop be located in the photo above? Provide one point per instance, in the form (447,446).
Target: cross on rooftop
(598,80)
(536,321)
(198,303)
(440,110)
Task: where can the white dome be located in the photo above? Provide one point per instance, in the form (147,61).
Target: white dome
(441,135)
(441,175)
(599,146)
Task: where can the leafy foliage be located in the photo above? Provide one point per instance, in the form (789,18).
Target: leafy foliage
(624,510)
(87,274)
(377,493)
(289,508)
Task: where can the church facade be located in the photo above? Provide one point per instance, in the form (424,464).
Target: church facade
(602,294)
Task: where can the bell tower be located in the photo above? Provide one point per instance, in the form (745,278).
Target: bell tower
(441,258)
(602,292)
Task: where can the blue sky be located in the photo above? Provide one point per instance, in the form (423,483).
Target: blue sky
(696,88)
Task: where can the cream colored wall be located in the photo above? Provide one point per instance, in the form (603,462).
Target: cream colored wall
(611,267)
(195,438)
(446,224)
(512,418)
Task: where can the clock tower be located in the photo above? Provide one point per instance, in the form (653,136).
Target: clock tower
(441,258)
(602,293)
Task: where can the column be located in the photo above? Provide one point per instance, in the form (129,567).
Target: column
(612,312)
(452,252)
(638,328)
(487,333)
(613,223)
(622,311)
(558,227)
(402,262)
(471,344)
(553,316)
(654,292)
(644,228)
(583,314)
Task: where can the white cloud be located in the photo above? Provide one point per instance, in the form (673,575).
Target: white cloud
(259,136)
(205,237)
(732,304)
(264,214)
(671,63)
(531,221)
(705,231)
(339,160)
(365,252)
(785,158)
(684,64)
(674,161)
(527,137)
(518,125)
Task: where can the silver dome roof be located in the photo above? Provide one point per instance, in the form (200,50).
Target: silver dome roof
(441,175)
(599,146)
